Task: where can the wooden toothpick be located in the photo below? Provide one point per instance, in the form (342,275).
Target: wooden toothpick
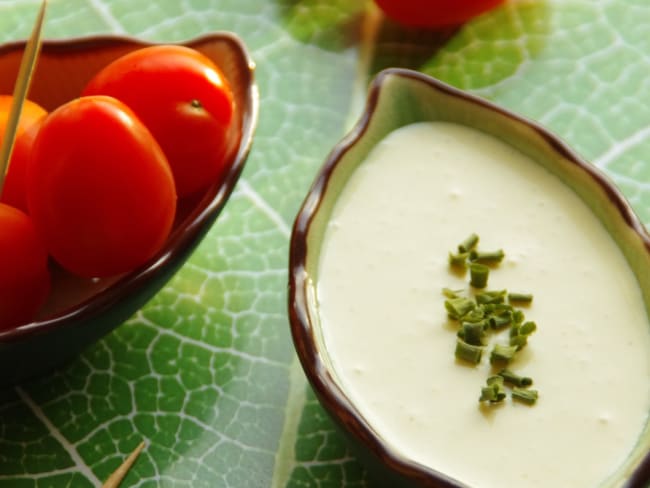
(23,81)
(116,478)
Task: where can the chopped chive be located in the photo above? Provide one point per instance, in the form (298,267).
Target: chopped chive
(514,379)
(524,395)
(502,353)
(518,316)
(475,315)
(494,391)
(468,244)
(487,257)
(488,394)
(468,352)
(495,379)
(514,329)
(458,260)
(497,321)
(478,275)
(519,335)
(473,333)
(458,307)
(497,308)
(500,394)
(527,328)
(494,296)
(482,310)
(520,297)
(519,341)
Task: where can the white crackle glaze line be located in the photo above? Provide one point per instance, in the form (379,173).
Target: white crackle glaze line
(621,147)
(56,434)
(105,14)
(244,188)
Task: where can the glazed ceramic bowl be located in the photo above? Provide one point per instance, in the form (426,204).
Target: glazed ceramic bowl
(399,97)
(80,312)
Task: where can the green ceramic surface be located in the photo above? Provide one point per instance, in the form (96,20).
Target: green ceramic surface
(206,372)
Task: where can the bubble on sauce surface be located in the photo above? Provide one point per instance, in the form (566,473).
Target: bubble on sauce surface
(604,419)
(455,193)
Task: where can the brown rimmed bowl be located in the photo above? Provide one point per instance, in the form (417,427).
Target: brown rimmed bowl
(79,312)
(398,97)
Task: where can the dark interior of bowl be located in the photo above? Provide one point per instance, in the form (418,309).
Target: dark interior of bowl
(399,97)
(81,311)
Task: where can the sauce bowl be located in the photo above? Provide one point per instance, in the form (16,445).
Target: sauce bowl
(79,312)
(399,97)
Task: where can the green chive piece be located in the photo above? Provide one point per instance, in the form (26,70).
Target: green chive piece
(519,341)
(468,244)
(458,307)
(520,297)
(458,260)
(514,329)
(488,394)
(514,379)
(495,379)
(497,308)
(500,320)
(467,352)
(527,328)
(524,395)
(519,334)
(494,296)
(494,392)
(475,315)
(518,316)
(487,257)
(473,333)
(501,394)
(481,312)
(502,353)
(478,275)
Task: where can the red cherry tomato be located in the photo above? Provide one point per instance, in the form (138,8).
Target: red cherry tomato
(13,190)
(100,190)
(25,279)
(434,13)
(185,101)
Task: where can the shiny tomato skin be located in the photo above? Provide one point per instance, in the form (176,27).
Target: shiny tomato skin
(13,190)
(185,101)
(434,13)
(25,278)
(100,189)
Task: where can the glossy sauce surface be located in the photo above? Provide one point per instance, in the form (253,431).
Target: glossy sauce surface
(383,266)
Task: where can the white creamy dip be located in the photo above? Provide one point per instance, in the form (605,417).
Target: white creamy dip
(384,263)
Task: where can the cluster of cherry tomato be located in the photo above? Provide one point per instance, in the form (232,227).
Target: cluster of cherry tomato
(93,185)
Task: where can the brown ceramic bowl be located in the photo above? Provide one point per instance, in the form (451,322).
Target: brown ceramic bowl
(79,312)
(399,97)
